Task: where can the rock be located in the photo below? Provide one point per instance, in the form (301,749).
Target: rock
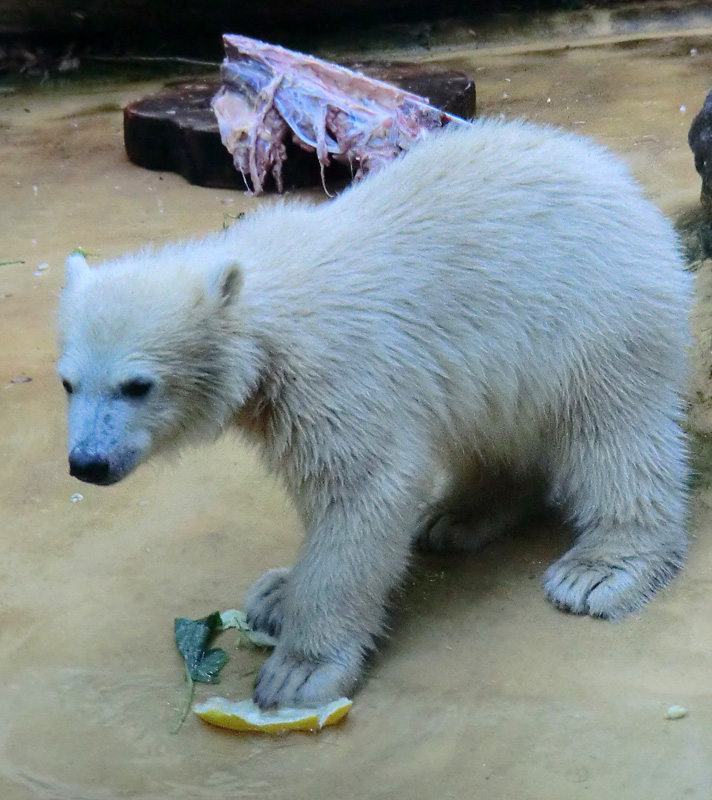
(700,140)
(176,130)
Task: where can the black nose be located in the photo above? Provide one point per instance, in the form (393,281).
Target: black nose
(88,468)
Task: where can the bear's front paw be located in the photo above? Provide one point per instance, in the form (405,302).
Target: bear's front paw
(287,680)
(264,602)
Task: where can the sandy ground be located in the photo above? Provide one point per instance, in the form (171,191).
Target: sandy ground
(484,691)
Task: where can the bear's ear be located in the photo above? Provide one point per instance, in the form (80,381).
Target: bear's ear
(224,283)
(76,269)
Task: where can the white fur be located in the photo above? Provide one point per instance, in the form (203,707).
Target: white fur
(76,267)
(500,302)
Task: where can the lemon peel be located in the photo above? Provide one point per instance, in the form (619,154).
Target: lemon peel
(246,716)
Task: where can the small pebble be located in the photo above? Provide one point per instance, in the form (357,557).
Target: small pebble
(683,109)
(676,712)
(77,498)
(21,379)
(693,51)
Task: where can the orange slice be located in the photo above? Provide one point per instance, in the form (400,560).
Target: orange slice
(246,716)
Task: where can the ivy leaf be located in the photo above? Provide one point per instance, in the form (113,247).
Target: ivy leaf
(193,638)
(202,665)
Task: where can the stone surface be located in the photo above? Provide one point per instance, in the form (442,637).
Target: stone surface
(700,141)
(175,130)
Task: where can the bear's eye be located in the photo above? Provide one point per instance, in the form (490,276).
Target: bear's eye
(68,388)
(138,387)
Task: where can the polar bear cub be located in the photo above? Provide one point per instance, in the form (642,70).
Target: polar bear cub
(499,307)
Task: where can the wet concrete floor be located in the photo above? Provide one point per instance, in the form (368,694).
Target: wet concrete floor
(484,691)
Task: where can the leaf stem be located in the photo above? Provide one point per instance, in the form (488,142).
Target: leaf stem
(187,701)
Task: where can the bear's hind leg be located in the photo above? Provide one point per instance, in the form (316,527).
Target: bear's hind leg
(263,604)
(481,512)
(450,533)
(624,491)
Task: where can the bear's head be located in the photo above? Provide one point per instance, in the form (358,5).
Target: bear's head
(152,351)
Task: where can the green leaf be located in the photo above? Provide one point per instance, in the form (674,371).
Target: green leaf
(80,251)
(193,638)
